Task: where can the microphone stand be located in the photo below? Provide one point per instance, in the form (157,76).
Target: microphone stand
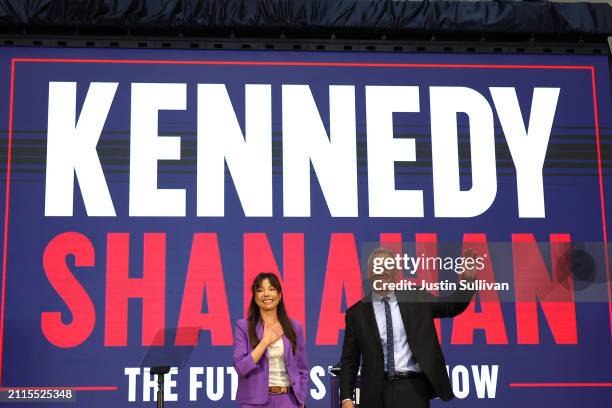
(159,372)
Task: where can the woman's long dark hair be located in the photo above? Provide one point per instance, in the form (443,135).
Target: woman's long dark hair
(255,315)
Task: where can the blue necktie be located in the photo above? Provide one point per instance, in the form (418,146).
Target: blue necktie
(390,356)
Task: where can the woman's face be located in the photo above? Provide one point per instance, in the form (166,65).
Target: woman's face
(266,296)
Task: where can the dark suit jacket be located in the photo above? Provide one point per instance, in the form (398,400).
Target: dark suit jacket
(362,342)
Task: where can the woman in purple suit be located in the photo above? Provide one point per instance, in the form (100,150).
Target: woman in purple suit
(269,351)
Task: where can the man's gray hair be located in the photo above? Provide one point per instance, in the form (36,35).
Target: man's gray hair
(380,251)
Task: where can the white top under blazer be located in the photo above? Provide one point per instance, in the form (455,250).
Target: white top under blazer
(277,375)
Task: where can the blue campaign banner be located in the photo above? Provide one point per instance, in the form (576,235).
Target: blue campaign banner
(145,189)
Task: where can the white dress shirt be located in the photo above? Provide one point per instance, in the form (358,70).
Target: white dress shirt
(402,355)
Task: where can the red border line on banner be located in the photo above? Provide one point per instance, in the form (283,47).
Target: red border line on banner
(558,385)
(297,64)
(601,195)
(6,212)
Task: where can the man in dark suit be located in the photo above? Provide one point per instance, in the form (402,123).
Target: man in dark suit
(393,333)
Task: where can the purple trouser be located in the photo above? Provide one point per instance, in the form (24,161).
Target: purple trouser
(276,401)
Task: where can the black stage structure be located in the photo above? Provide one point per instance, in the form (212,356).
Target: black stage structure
(318,25)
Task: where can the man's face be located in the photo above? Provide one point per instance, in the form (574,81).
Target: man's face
(383,269)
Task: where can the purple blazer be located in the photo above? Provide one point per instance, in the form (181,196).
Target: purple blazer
(253,378)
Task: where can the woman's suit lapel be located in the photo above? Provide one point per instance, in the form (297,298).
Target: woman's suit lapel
(259,331)
(286,342)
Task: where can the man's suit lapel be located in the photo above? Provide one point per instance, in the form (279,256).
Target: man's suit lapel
(371,319)
(411,317)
